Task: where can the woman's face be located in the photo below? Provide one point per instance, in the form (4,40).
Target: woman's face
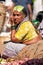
(17,17)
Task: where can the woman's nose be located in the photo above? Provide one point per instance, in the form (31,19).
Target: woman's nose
(16,16)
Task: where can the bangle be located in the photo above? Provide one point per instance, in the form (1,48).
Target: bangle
(13,27)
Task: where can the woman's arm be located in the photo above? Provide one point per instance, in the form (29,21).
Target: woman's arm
(35,40)
(13,32)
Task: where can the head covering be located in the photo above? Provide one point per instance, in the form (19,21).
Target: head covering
(39,16)
(19,8)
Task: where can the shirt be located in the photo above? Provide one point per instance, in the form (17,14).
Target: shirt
(26,31)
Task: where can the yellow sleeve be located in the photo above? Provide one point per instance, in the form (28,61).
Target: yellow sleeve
(22,31)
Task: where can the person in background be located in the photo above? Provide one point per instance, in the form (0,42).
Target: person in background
(21,30)
(26,4)
(9,6)
(3,35)
(40,18)
(38,22)
(37,6)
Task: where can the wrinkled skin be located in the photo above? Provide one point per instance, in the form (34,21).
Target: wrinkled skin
(17,17)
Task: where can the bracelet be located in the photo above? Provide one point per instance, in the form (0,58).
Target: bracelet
(13,27)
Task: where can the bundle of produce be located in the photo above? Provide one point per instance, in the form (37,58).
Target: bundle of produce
(12,62)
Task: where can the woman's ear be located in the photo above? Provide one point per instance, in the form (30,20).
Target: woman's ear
(23,15)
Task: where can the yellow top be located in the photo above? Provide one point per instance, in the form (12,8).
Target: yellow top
(26,31)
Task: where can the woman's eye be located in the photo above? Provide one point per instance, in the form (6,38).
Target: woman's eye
(13,14)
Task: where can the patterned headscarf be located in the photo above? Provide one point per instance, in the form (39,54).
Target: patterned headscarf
(20,8)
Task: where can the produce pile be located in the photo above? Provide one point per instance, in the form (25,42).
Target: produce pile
(21,62)
(12,61)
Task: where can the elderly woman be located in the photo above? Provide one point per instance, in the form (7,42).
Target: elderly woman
(22,33)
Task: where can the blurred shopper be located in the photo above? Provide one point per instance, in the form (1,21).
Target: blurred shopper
(38,22)
(40,18)
(9,6)
(37,6)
